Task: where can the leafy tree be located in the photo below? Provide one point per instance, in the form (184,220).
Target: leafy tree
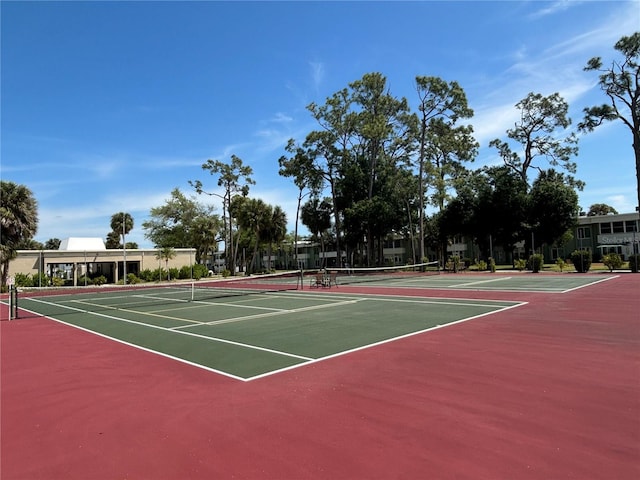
(537,135)
(601,209)
(18,222)
(305,176)
(441,105)
(365,134)
(330,147)
(182,222)
(467,213)
(383,143)
(552,208)
(621,83)
(448,147)
(234,178)
(506,206)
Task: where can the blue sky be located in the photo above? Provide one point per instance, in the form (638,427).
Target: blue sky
(108,106)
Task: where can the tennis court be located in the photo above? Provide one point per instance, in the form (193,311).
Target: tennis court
(402,377)
(250,334)
(505,282)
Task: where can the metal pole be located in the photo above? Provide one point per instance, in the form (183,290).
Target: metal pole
(13,302)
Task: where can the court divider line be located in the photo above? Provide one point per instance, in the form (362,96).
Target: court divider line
(151,314)
(271,314)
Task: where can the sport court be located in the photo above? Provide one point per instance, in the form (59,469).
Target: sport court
(260,333)
(544,385)
(248,334)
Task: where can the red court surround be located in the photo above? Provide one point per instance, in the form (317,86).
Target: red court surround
(550,390)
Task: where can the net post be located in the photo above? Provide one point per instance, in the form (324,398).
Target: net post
(13,302)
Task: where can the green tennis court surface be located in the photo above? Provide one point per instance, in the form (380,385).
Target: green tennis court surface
(250,336)
(512,282)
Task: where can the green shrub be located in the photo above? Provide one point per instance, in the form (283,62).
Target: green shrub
(226,273)
(560,263)
(520,264)
(58,282)
(174,273)
(613,261)
(100,280)
(200,271)
(481,265)
(132,279)
(152,275)
(23,280)
(185,272)
(581,260)
(146,275)
(536,261)
(492,265)
(634,263)
(453,264)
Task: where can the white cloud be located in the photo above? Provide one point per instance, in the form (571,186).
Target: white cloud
(551,8)
(317,74)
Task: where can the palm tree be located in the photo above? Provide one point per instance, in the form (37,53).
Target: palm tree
(276,229)
(253,215)
(18,222)
(122,223)
(316,215)
(166,254)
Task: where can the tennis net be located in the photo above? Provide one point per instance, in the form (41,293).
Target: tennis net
(345,276)
(150,294)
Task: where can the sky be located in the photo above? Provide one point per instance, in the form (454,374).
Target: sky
(109,106)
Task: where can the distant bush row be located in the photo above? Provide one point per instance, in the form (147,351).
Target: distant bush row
(159,274)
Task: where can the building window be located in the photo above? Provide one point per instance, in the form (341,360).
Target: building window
(618,227)
(605,228)
(584,232)
(631,226)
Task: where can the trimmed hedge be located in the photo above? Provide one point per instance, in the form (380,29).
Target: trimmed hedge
(581,260)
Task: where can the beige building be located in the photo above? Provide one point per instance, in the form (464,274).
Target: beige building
(79,256)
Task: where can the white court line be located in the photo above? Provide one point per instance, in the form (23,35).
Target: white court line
(382,342)
(133,345)
(269,314)
(214,339)
(591,283)
(479,282)
(109,307)
(305,360)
